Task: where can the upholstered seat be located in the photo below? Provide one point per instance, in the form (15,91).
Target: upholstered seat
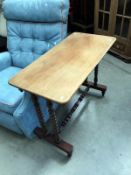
(14,95)
(33,27)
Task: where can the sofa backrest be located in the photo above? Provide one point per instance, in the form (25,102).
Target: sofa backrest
(34,27)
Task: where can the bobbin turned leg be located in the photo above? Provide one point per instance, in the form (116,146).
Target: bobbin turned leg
(42,132)
(54,138)
(95,84)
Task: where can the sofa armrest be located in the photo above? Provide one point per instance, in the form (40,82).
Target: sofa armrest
(26,117)
(5,60)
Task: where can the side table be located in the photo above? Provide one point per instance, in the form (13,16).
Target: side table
(58,74)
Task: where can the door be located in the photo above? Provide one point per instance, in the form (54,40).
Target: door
(121,29)
(103,16)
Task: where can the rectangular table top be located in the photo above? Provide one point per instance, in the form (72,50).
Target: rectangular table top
(57,74)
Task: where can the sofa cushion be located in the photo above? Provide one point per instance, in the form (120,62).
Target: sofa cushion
(28,41)
(10,96)
(36,10)
(29,35)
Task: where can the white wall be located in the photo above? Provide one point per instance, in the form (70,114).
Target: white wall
(2,23)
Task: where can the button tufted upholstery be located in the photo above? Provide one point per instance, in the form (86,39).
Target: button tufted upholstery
(30,36)
(33,27)
(27,41)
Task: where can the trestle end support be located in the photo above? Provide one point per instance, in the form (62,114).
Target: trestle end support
(98,87)
(62,145)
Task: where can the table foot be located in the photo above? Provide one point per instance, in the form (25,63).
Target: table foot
(95,84)
(62,145)
(99,87)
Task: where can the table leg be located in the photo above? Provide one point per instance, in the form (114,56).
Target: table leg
(40,116)
(56,140)
(95,84)
(54,121)
(43,133)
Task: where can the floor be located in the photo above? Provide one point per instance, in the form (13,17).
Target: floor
(100,132)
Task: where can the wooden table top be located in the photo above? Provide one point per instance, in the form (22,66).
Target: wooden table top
(57,74)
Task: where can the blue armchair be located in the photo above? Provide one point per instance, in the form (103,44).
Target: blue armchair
(33,27)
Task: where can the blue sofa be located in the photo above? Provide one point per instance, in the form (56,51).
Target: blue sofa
(33,27)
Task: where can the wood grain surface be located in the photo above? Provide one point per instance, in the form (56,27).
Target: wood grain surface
(57,74)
